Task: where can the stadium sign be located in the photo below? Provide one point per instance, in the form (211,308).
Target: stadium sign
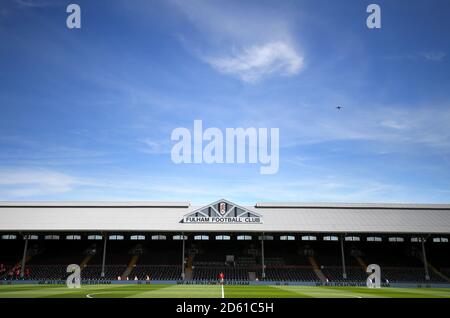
(222,212)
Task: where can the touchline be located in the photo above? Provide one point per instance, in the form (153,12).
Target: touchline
(249,145)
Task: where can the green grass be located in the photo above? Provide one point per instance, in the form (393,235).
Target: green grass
(214,291)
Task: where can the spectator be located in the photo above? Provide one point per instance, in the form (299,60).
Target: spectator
(27,273)
(221,277)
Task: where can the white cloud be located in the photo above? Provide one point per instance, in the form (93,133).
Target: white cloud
(153,146)
(324,189)
(35,3)
(390,123)
(35,182)
(252,42)
(397,128)
(42,184)
(253,63)
(435,56)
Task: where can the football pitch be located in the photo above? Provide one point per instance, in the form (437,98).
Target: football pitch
(215,291)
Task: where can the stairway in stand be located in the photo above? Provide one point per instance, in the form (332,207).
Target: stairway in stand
(131,265)
(361,263)
(317,269)
(85,261)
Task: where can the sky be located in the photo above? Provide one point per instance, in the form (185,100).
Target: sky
(87,114)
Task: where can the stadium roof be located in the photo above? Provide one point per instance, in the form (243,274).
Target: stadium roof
(274,217)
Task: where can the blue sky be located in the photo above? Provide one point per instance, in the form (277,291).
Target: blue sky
(87,114)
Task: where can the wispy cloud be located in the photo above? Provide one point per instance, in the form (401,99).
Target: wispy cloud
(155,146)
(432,56)
(36,183)
(398,127)
(17,183)
(35,3)
(435,56)
(254,63)
(31,152)
(234,43)
(42,184)
(395,124)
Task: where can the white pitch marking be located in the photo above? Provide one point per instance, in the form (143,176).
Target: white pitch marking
(223,293)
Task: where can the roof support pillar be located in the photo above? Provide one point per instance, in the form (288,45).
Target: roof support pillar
(263,272)
(424,259)
(344,272)
(105,239)
(183,274)
(24,257)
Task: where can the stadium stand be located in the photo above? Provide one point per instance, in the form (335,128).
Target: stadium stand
(238,260)
(279,249)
